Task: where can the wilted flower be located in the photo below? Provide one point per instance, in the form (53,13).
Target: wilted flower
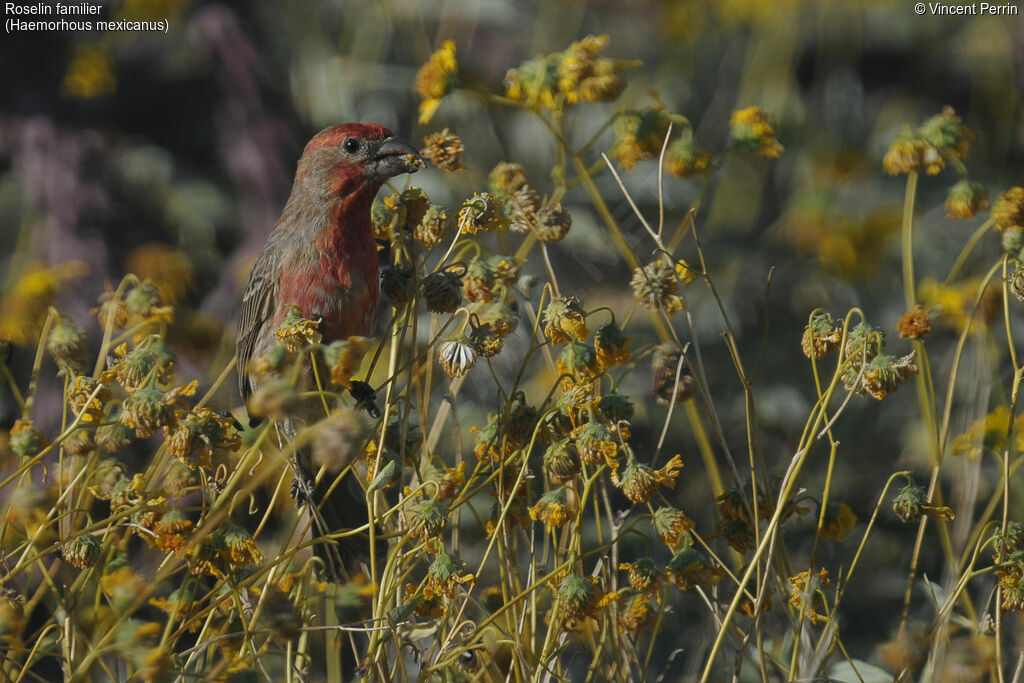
(616,407)
(344,356)
(1008,210)
(485,340)
(151,408)
(821,336)
(914,324)
(805,593)
(644,576)
(753,129)
(912,502)
(561,461)
(145,363)
(670,524)
(238,548)
(882,375)
(640,482)
(551,223)
(297,331)
(578,359)
(595,443)
(200,436)
(143,302)
(445,573)
(910,153)
(506,179)
(435,79)
(428,517)
(684,158)
(611,345)
(456,357)
(965,199)
(658,285)
(639,135)
(839,519)
(444,149)
(582,76)
(522,208)
(564,319)
(673,379)
(482,211)
(947,133)
(113,437)
(26,440)
(553,508)
(66,343)
(83,551)
(433,226)
(396,284)
(86,398)
(172,531)
(442,291)
(636,613)
(689,568)
(577,596)
(449,480)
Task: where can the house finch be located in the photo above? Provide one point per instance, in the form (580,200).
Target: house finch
(321,257)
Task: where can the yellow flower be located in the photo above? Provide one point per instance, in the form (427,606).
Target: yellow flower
(438,77)
(89,74)
(670,524)
(297,331)
(444,575)
(25,304)
(839,519)
(988,434)
(640,483)
(640,135)
(239,549)
(564,320)
(611,345)
(1008,211)
(583,77)
(200,436)
(955,303)
(753,128)
(553,509)
(910,153)
(644,576)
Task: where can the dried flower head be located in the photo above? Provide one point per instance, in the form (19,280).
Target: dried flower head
(444,575)
(690,568)
(433,226)
(658,285)
(506,179)
(150,408)
(752,128)
(551,223)
(200,436)
(1008,210)
(82,551)
(66,343)
(882,375)
(641,483)
(821,336)
(596,444)
(343,358)
(396,284)
(445,150)
(644,576)
(670,525)
(684,158)
(238,548)
(456,356)
(577,596)
(911,153)
(561,461)
(639,135)
(87,396)
(482,212)
(553,508)
(148,362)
(564,320)
(674,381)
(435,79)
(584,77)
(914,324)
(806,593)
(912,502)
(26,440)
(298,332)
(615,408)
(635,613)
(442,291)
(965,199)
(171,532)
(611,345)
(428,517)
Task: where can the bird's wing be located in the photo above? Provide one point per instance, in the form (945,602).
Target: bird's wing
(257,311)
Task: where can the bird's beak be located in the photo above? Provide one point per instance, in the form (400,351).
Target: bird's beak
(395,157)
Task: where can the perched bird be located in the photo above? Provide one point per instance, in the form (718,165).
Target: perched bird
(321,257)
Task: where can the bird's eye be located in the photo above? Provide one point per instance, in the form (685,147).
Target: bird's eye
(351,145)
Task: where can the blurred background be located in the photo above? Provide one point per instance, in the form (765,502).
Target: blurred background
(171,156)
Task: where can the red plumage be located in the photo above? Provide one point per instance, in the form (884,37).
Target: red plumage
(321,257)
